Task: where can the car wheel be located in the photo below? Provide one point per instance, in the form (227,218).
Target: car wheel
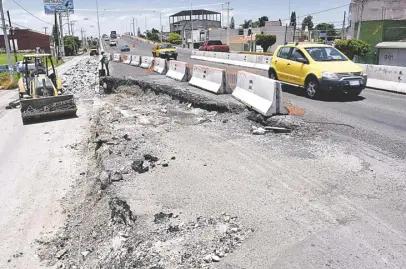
(312,88)
(354,93)
(272,74)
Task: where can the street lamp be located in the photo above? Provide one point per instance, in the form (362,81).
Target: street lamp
(98,19)
(160,23)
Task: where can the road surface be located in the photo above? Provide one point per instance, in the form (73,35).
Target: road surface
(376,118)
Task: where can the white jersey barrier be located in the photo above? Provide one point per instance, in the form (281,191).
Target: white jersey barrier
(147,62)
(262,94)
(383,77)
(178,71)
(160,66)
(127,59)
(246,60)
(209,79)
(117,57)
(135,60)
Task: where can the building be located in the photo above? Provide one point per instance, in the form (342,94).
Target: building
(200,19)
(28,40)
(375,10)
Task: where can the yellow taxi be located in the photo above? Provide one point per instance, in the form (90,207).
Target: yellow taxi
(164,50)
(318,68)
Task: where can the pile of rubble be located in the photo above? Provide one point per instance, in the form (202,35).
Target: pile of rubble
(81,78)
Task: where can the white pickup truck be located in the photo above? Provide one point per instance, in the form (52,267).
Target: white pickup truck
(113,43)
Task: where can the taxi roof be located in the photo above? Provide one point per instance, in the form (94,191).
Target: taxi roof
(307,45)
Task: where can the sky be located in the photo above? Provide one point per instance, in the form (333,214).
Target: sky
(117,15)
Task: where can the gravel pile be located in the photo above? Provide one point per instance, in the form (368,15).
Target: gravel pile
(81,78)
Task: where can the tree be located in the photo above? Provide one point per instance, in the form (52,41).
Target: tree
(265,41)
(175,38)
(154,31)
(327,29)
(138,31)
(246,24)
(152,35)
(353,47)
(308,21)
(280,22)
(262,20)
(72,44)
(232,23)
(55,35)
(293,19)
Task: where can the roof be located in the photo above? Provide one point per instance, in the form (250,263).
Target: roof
(194,12)
(37,55)
(391,45)
(308,45)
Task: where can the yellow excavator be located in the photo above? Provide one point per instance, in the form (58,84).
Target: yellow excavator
(40,91)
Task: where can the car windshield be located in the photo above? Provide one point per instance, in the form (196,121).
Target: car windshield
(166,46)
(215,42)
(325,54)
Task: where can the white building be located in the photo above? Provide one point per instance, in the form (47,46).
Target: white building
(376,10)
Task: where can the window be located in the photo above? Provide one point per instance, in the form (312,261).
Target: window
(324,54)
(284,52)
(214,42)
(296,54)
(166,46)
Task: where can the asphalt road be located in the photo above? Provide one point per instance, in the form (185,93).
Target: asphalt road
(376,118)
(38,165)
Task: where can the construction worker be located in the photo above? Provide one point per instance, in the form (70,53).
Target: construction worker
(105,62)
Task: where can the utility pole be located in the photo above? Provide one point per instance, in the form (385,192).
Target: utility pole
(360,21)
(71,27)
(98,22)
(162,28)
(45,28)
(61,32)
(343,31)
(12,36)
(69,30)
(133,26)
(3,21)
(228,23)
(191,22)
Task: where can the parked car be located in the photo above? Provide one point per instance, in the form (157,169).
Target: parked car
(214,45)
(124,48)
(20,67)
(113,43)
(164,50)
(317,68)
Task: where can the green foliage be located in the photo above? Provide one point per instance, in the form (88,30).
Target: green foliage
(308,21)
(55,35)
(328,29)
(154,31)
(72,44)
(262,20)
(265,41)
(293,21)
(246,24)
(232,23)
(175,38)
(353,47)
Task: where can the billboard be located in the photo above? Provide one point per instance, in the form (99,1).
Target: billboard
(60,5)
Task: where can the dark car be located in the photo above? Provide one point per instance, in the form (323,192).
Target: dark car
(94,51)
(125,48)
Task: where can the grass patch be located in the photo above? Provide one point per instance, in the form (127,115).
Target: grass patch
(5,80)
(20,56)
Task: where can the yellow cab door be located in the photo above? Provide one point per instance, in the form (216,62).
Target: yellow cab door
(281,63)
(298,68)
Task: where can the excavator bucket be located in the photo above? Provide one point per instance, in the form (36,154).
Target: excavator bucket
(48,108)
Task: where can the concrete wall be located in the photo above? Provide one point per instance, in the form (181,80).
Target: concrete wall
(376,10)
(28,40)
(392,57)
(197,24)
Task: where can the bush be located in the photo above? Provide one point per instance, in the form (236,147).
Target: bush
(5,80)
(175,38)
(265,41)
(353,47)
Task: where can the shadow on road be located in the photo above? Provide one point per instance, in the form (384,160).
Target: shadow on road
(330,97)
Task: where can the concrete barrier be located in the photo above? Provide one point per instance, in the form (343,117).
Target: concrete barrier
(147,62)
(263,62)
(178,71)
(383,77)
(135,60)
(117,57)
(246,60)
(127,59)
(209,79)
(262,94)
(160,66)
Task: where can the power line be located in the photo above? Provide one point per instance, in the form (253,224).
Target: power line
(31,13)
(322,11)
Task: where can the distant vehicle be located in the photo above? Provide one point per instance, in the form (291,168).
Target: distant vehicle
(113,43)
(20,67)
(113,34)
(164,50)
(214,45)
(107,39)
(125,48)
(3,68)
(317,68)
(94,51)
